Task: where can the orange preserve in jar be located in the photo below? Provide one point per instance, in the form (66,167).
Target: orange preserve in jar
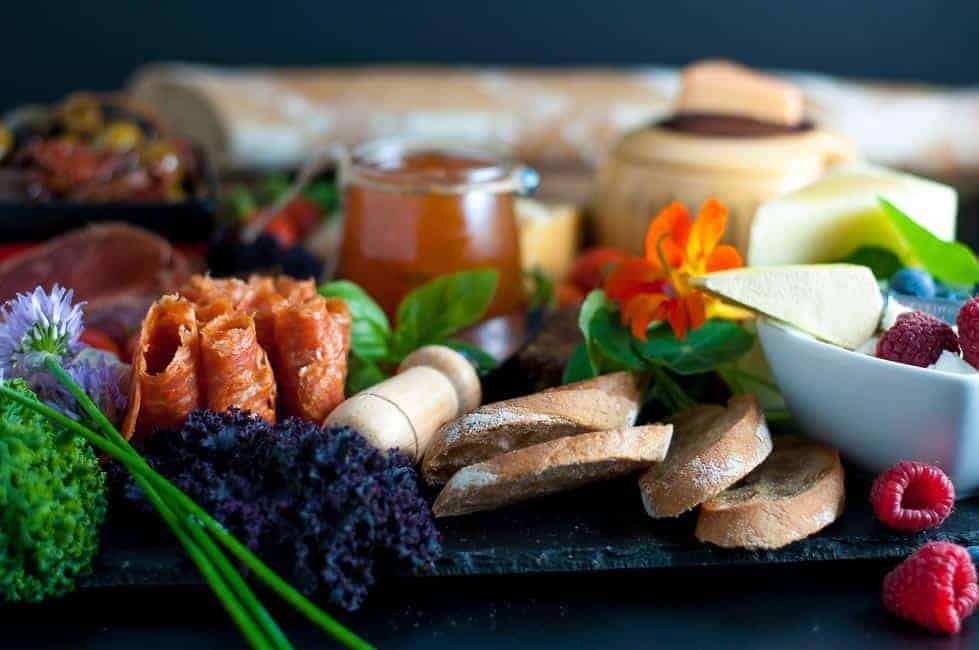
(415,212)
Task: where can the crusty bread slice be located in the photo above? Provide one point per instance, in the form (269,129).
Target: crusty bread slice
(553,466)
(713,448)
(599,404)
(797,491)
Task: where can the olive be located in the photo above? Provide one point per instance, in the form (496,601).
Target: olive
(80,114)
(120,136)
(162,158)
(6,141)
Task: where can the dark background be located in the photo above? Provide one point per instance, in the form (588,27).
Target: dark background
(48,48)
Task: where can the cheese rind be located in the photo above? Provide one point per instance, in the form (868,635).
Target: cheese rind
(838,303)
(832,217)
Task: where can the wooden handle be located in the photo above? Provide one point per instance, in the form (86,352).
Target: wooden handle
(434,384)
(725,88)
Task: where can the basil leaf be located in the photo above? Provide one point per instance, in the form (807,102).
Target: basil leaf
(882,262)
(439,309)
(483,361)
(370,333)
(948,261)
(362,374)
(713,344)
(579,366)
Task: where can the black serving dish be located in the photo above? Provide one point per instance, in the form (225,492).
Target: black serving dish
(23,219)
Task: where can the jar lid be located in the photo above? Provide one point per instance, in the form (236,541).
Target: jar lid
(774,153)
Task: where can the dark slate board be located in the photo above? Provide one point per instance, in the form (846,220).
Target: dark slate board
(597,528)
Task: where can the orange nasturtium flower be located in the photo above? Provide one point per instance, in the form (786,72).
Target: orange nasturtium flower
(656,287)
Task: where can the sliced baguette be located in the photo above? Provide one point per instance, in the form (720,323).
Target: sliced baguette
(553,466)
(600,404)
(797,491)
(713,448)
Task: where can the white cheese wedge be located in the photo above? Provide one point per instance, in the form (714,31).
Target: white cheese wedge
(830,218)
(838,303)
(550,235)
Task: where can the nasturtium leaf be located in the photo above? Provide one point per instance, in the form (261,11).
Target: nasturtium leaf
(595,302)
(715,343)
(614,342)
(579,367)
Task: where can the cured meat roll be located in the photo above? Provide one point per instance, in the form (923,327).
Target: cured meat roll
(236,370)
(164,386)
(311,339)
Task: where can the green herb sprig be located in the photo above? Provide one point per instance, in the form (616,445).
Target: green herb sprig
(431,314)
(197,531)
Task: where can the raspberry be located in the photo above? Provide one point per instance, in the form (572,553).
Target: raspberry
(968,324)
(917,339)
(912,496)
(935,587)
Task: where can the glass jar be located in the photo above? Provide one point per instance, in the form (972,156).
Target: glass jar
(415,211)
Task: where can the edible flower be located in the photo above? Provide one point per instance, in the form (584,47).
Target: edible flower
(657,287)
(41,325)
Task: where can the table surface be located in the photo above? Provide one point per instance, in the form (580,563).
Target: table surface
(812,606)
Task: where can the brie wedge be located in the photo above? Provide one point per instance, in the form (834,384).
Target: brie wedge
(837,303)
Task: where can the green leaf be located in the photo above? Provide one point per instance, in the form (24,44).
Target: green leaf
(240,202)
(715,343)
(362,374)
(483,361)
(542,292)
(270,187)
(579,367)
(595,302)
(439,309)
(325,194)
(614,342)
(948,261)
(370,333)
(882,262)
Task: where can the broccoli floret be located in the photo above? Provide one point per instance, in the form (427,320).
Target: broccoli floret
(52,502)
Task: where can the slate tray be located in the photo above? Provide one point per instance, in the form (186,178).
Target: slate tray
(597,528)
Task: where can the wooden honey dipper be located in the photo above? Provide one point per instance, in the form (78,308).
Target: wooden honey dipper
(434,385)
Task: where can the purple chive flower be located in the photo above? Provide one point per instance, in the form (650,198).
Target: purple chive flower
(34,325)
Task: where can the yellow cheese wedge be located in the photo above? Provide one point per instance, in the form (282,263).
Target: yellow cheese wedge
(838,303)
(550,235)
(829,219)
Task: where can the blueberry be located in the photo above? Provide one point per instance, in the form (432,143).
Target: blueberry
(913,282)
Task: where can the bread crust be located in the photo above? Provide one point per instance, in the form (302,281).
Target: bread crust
(713,448)
(599,404)
(756,516)
(551,467)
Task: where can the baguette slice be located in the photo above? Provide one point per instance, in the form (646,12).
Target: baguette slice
(599,404)
(553,466)
(797,491)
(713,448)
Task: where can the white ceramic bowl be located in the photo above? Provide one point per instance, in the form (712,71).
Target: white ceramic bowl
(877,412)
